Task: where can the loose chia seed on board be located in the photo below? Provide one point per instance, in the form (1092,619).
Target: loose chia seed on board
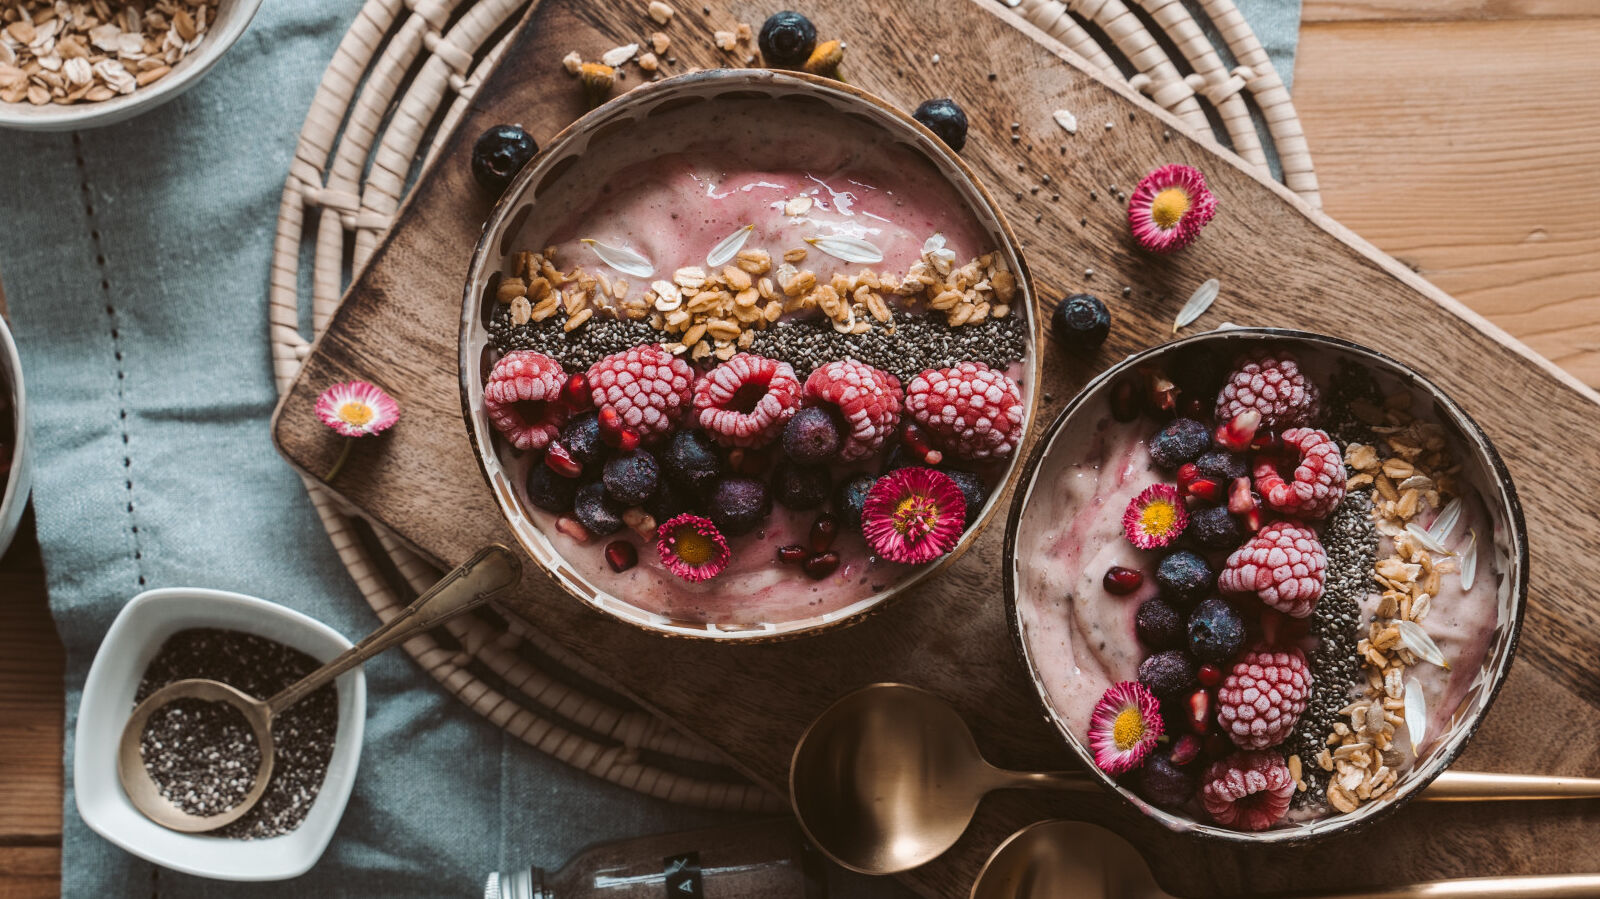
(202,754)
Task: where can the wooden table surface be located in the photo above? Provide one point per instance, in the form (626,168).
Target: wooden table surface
(1461,136)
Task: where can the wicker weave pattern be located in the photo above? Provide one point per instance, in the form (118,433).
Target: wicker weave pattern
(366,128)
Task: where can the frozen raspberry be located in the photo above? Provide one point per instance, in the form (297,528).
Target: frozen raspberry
(746,400)
(1284,565)
(1318,483)
(1247,790)
(1263,696)
(1272,384)
(647,386)
(523,399)
(868,401)
(975,411)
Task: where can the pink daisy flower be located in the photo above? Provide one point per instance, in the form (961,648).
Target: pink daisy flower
(1155,517)
(1169,207)
(692,548)
(357,409)
(1124,727)
(913,515)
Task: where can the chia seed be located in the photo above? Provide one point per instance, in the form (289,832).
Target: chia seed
(917,344)
(203,756)
(577,349)
(1351,383)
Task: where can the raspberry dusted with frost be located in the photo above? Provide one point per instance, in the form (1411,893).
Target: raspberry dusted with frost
(523,399)
(975,411)
(1263,696)
(646,385)
(1248,790)
(746,400)
(1273,385)
(1318,483)
(1284,565)
(868,401)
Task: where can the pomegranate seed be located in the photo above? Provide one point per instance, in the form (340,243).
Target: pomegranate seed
(561,461)
(1240,498)
(621,555)
(1206,490)
(821,565)
(1188,473)
(1186,749)
(1163,394)
(1210,675)
(823,531)
(1125,400)
(611,426)
(576,394)
(1122,581)
(1265,440)
(748,461)
(1252,520)
(1200,711)
(916,444)
(1194,408)
(627,440)
(792,554)
(1236,433)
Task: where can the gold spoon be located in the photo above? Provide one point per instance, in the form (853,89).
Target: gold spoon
(1078,860)
(493,568)
(888,778)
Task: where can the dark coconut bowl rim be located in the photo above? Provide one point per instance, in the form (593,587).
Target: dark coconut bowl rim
(1458,422)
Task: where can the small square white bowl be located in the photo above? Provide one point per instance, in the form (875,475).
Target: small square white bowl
(129,646)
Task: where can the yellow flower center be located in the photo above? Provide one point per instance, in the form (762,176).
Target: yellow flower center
(357,414)
(915,515)
(1157,518)
(1129,728)
(694,547)
(1168,207)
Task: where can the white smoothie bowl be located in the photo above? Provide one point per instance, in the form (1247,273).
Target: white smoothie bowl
(135,637)
(15,486)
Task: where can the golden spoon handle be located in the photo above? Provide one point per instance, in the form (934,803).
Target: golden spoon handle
(1547,886)
(1472,786)
(1047,780)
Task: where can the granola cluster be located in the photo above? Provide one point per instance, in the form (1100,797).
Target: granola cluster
(67,51)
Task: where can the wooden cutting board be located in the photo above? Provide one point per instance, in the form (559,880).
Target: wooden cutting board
(1280,262)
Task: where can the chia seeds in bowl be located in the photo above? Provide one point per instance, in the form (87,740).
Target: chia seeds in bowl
(1418,549)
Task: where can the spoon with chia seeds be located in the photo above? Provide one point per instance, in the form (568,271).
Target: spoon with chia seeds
(492,569)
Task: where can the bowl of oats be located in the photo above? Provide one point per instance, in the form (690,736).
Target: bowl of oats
(746,354)
(73,64)
(1267,583)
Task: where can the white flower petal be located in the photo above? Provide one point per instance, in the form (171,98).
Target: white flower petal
(621,258)
(1199,302)
(849,249)
(728,247)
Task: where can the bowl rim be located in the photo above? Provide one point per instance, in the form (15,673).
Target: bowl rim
(213,857)
(57,117)
(14,491)
(1342,824)
(481,436)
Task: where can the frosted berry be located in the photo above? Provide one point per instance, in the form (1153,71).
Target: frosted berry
(852,499)
(1284,565)
(1317,486)
(868,402)
(1272,384)
(1184,577)
(647,386)
(1158,625)
(746,400)
(691,460)
(786,39)
(1222,467)
(973,410)
(1168,674)
(800,486)
(595,511)
(550,491)
(738,505)
(811,436)
(1182,440)
(1214,528)
(944,118)
(581,436)
(631,478)
(1216,632)
(1247,790)
(1263,696)
(1081,322)
(1163,783)
(523,399)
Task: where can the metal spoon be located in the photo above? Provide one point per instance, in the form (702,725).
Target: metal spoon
(1059,859)
(492,569)
(889,777)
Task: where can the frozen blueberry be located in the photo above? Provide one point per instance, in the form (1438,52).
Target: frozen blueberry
(1183,440)
(581,436)
(945,119)
(1184,577)
(691,459)
(972,490)
(499,154)
(670,500)
(1222,467)
(852,499)
(738,505)
(1159,625)
(800,486)
(1213,528)
(1081,322)
(1216,631)
(1168,674)
(595,511)
(631,477)
(811,436)
(1163,783)
(787,39)
(550,491)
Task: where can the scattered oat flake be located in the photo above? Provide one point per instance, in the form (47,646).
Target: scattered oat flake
(798,206)
(661,12)
(621,258)
(1416,706)
(728,247)
(572,62)
(849,249)
(1066,120)
(1199,302)
(616,56)
(1414,638)
(659,42)
(726,40)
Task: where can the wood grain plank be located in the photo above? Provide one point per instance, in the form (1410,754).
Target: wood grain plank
(30,872)
(32,661)
(1488,189)
(1320,11)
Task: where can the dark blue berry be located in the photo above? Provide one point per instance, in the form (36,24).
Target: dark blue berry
(1168,674)
(670,500)
(595,511)
(945,119)
(1184,577)
(738,505)
(581,436)
(1182,440)
(1216,631)
(1222,467)
(631,478)
(811,436)
(1163,783)
(972,490)
(1213,528)
(691,459)
(1081,322)
(786,40)
(800,486)
(1159,625)
(550,491)
(499,154)
(852,499)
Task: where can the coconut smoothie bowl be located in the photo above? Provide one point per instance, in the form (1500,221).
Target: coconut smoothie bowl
(1266,582)
(757,374)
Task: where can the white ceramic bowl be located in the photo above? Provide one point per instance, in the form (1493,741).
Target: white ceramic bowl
(129,646)
(14,488)
(232,18)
